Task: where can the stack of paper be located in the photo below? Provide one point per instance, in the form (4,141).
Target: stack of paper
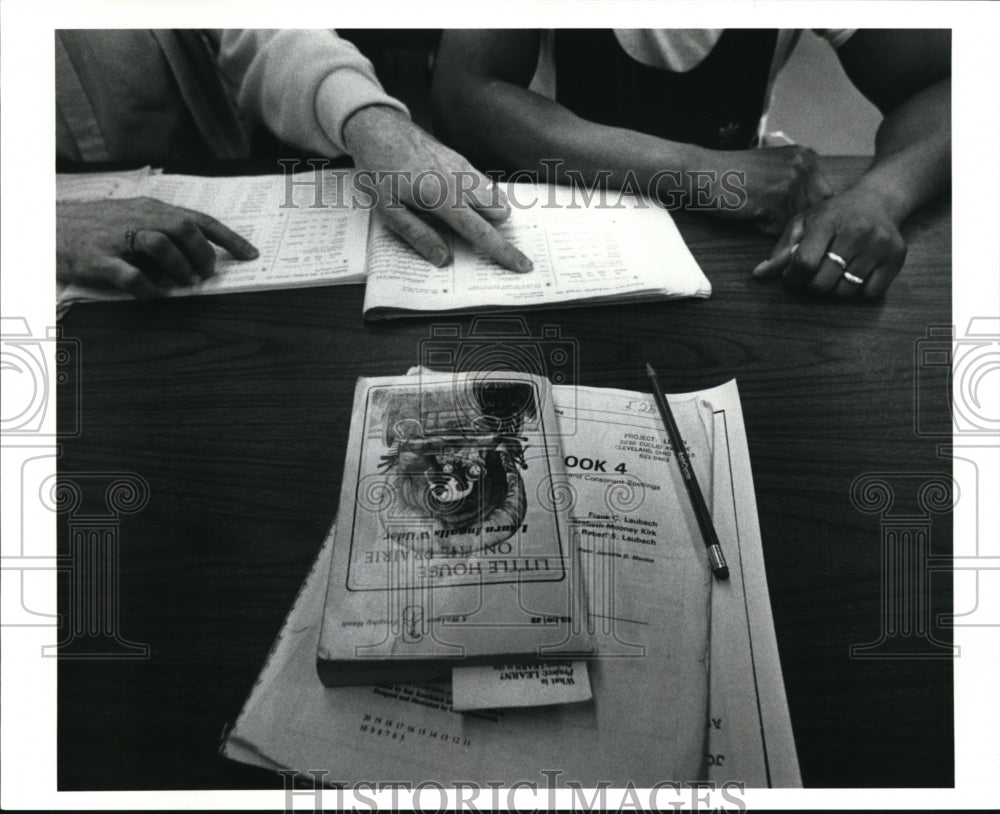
(658,711)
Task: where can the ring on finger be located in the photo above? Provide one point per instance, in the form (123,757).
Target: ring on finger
(853,278)
(130,235)
(836,258)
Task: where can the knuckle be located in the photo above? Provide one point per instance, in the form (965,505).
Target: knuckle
(154,243)
(481,230)
(800,268)
(124,276)
(205,254)
(414,232)
(187,227)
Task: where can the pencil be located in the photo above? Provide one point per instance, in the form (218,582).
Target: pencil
(708,534)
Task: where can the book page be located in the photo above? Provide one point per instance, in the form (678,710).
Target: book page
(581,253)
(87,186)
(302,241)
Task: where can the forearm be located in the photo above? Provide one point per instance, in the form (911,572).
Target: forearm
(912,161)
(502,126)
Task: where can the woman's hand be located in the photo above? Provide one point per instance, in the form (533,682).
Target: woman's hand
(420,177)
(139,245)
(847,246)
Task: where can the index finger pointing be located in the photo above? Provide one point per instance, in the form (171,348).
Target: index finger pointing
(783,251)
(482,235)
(218,233)
(773,266)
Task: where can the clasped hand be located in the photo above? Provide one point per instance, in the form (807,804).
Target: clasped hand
(846,246)
(838,245)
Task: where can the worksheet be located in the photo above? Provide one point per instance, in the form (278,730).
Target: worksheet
(584,249)
(750,731)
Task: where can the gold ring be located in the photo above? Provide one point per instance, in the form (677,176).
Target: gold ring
(852,278)
(836,258)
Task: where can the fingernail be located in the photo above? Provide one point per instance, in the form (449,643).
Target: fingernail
(524,265)
(252,253)
(759,268)
(439,257)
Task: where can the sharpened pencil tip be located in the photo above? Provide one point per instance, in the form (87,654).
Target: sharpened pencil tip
(649,370)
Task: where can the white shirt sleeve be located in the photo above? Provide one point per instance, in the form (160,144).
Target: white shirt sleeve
(301,84)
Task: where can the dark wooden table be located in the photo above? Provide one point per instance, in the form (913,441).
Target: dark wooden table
(233,411)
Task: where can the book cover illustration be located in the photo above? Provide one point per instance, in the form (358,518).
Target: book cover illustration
(444,486)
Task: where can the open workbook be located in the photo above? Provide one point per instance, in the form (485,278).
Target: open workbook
(315,229)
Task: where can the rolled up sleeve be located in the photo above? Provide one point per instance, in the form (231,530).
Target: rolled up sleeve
(303,85)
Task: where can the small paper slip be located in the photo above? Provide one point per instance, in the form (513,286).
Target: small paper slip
(494,686)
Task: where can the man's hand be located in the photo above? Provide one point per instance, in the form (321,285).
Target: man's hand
(779,182)
(415,175)
(846,246)
(135,244)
